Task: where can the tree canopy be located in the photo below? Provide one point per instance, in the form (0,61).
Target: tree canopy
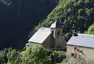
(77,15)
(29,55)
(90,30)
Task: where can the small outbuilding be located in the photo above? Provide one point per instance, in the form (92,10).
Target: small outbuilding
(83,45)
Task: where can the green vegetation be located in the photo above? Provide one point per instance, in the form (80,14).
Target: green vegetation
(90,30)
(30,55)
(76,15)
(35,55)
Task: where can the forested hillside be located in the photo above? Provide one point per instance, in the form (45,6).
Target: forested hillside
(76,15)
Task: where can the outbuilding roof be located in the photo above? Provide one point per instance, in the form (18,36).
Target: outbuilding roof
(40,35)
(85,40)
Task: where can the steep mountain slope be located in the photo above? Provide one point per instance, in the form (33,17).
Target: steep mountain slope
(76,15)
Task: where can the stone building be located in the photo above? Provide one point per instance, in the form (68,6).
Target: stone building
(49,37)
(82,45)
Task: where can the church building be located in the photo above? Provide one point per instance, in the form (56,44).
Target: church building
(49,37)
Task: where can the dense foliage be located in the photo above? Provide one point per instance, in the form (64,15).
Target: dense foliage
(30,55)
(90,30)
(76,15)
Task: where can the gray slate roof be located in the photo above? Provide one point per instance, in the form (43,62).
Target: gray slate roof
(85,40)
(40,35)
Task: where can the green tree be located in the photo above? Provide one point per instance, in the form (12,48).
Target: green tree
(13,57)
(3,56)
(77,15)
(90,29)
(35,55)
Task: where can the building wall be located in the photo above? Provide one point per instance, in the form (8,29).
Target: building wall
(49,42)
(33,44)
(53,32)
(89,52)
(59,40)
